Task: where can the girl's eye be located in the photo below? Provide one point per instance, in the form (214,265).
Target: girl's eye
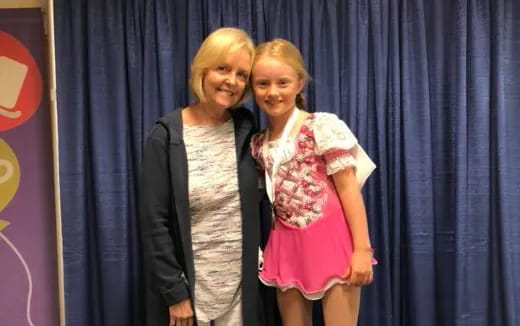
(242,75)
(221,68)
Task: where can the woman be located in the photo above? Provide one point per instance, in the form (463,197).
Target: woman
(199,203)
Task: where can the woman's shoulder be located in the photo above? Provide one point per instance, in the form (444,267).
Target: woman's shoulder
(242,113)
(171,118)
(244,120)
(166,126)
(158,132)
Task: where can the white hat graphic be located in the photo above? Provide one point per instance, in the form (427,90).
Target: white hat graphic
(12,76)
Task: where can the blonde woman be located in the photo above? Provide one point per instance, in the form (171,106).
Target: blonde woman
(199,203)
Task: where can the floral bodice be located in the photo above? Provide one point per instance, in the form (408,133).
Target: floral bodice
(303,186)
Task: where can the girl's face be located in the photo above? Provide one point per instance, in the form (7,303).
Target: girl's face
(225,83)
(275,86)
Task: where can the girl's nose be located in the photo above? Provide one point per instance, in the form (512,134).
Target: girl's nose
(272,91)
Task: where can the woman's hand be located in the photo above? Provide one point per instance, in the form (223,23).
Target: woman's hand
(360,270)
(181,314)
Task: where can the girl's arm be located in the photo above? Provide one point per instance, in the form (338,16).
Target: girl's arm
(349,192)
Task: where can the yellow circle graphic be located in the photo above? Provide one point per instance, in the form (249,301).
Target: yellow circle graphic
(9,174)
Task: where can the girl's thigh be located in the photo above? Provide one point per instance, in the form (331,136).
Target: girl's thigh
(341,305)
(295,310)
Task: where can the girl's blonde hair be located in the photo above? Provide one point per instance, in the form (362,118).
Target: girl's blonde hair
(289,54)
(213,51)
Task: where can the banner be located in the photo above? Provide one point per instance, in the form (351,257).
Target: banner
(28,257)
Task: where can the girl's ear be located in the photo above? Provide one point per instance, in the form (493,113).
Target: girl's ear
(301,83)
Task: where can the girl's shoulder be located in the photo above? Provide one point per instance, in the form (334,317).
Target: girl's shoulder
(330,131)
(258,137)
(325,118)
(256,143)
(326,122)
(320,122)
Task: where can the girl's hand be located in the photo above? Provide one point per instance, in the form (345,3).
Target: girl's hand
(181,314)
(360,270)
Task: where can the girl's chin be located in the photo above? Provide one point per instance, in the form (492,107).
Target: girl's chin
(275,110)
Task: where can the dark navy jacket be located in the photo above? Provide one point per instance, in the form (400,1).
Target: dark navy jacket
(165,220)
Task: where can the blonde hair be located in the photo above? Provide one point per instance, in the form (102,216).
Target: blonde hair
(219,44)
(289,54)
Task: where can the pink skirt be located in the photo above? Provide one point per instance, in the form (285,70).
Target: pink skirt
(310,259)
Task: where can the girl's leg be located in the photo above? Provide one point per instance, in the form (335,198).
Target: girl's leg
(294,308)
(341,305)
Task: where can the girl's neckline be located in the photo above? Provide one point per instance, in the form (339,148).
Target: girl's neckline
(293,136)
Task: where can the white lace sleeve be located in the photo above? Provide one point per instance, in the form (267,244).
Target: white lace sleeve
(338,163)
(331,133)
(336,142)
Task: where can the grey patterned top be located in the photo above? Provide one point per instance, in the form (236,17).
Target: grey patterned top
(216,226)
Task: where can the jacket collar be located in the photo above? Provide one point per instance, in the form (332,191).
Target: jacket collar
(173,121)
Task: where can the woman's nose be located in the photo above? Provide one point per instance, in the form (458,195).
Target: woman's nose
(231,79)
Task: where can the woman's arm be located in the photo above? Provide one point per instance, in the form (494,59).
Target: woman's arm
(360,270)
(156,221)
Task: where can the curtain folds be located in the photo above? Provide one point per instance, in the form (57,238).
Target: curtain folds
(429,87)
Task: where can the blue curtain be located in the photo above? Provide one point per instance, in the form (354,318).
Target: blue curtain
(431,88)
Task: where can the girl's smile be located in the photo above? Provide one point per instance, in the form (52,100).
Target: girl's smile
(275,86)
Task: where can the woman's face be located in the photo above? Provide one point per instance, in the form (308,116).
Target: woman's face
(225,83)
(275,86)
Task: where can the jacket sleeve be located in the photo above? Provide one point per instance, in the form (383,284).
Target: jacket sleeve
(158,221)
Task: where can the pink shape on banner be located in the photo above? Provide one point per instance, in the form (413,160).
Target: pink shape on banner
(20,83)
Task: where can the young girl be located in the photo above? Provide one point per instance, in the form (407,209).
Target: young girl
(319,246)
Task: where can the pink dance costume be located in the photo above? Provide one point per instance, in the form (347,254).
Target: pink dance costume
(310,245)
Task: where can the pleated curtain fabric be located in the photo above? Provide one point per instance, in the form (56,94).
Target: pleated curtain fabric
(431,89)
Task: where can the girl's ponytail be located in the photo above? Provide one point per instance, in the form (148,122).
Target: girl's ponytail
(300,101)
